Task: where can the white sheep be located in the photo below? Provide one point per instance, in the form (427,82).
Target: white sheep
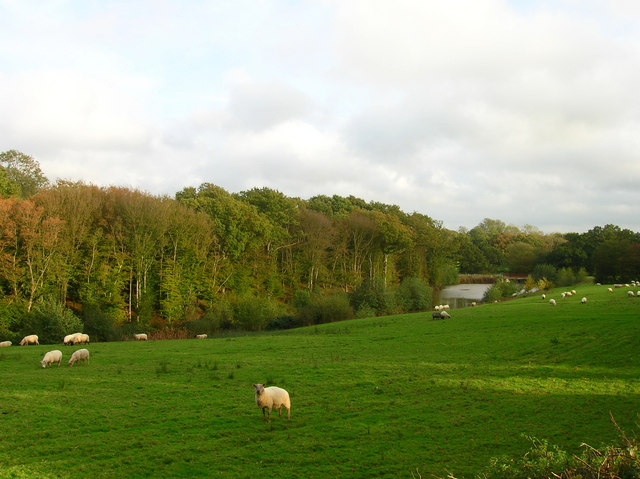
(140,337)
(5,344)
(552,302)
(610,290)
(446,306)
(544,296)
(474,304)
(69,339)
(201,336)
(630,293)
(272,398)
(81,355)
(583,300)
(445,315)
(51,357)
(81,338)
(573,291)
(31,339)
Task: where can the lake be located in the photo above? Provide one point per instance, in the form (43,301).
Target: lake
(462,295)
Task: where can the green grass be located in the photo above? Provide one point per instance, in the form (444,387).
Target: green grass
(399,396)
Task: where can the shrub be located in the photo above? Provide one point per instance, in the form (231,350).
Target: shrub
(51,321)
(370,294)
(545,284)
(414,295)
(326,309)
(99,324)
(544,271)
(284,322)
(252,313)
(565,277)
(500,289)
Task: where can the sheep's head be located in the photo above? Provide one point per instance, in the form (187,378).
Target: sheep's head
(43,364)
(259,388)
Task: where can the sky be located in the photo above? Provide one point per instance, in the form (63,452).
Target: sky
(519,110)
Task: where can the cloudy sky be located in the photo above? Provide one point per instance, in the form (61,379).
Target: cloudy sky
(520,110)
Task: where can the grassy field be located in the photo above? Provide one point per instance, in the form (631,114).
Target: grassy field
(399,396)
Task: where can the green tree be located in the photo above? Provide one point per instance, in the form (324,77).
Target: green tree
(21,175)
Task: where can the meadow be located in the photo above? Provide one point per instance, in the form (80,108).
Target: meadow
(392,397)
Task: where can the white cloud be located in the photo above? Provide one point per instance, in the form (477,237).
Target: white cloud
(523,111)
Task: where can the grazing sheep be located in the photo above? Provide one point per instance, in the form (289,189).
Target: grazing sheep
(474,304)
(445,315)
(544,296)
(81,338)
(31,339)
(437,315)
(573,291)
(552,302)
(81,355)
(140,337)
(69,339)
(630,293)
(272,398)
(201,336)
(446,306)
(610,290)
(583,300)
(5,344)
(563,294)
(51,357)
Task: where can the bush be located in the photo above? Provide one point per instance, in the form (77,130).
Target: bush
(543,461)
(544,271)
(326,309)
(100,325)
(502,288)
(251,313)
(414,295)
(565,277)
(51,321)
(370,295)
(284,322)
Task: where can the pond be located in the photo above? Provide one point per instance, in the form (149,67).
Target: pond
(462,295)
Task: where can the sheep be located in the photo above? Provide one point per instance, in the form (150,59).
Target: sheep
(31,339)
(563,294)
(201,336)
(437,315)
(474,304)
(140,337)
(69,339)
(544,296)
(445,315)
(51,357)
(583,300)
(272,398)
(610,290)
(81,338)
(573,291)
(630,293)
(5,344)
(81,355)
(552,302)
(446,306)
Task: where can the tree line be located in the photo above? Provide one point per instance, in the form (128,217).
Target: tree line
(111,260)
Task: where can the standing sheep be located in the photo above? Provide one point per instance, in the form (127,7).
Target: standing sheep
(630,293)
(31,339)
(69,339)
(544,296)
(445,315)
(583,300)
(140,337)
(5,344)
(272,398)
(201,336)
(51,357)
(552,302)
(81,355)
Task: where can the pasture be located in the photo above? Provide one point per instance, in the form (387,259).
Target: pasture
(398,396)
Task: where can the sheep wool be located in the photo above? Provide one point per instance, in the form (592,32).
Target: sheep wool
(272,398)
(70,339)
(81,355)
(201,336)
(31,339)
(5,344)
(51,357)
(552,302)
(140,337)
